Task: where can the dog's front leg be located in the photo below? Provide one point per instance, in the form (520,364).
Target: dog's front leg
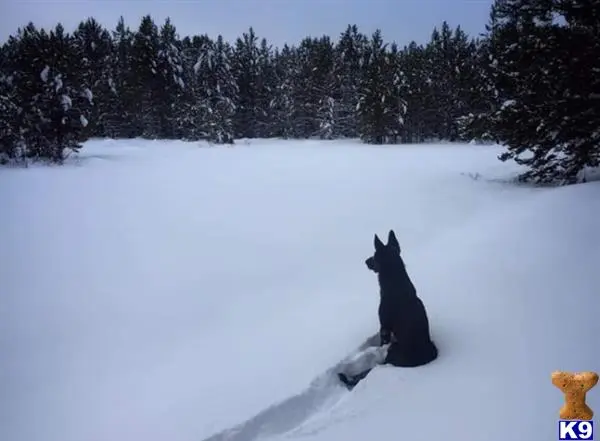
(385,336)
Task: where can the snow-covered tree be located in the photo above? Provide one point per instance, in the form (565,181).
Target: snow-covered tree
(266,84)
(245,65)
(44,92)
(350,54)
(220,91)
(282,105)
(12,148)
(546,58)
(375,93)
(144,80)
(58,123)
(93,48)
(190,123)
(171,90)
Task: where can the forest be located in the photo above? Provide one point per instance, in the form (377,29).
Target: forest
(531,82)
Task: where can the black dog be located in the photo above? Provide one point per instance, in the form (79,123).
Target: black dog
(402,316)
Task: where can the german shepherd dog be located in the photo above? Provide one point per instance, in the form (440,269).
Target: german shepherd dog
(402,317)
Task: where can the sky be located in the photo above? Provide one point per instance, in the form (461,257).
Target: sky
(279,21)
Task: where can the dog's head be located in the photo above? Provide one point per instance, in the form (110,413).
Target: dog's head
(386,257)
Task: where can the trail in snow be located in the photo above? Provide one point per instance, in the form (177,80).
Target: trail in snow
(323,392)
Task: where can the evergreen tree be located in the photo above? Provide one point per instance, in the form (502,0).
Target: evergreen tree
(144,80)
(11,143)
(546,74)
(375,93)
(115,104)
(439,66)
(172,86)
(395,97)
(476,124)
(64,104)
(50,113)
(418,95)
(350,54)
(282,106)
(191,124)
(93,47)
(246,70)
(467,83)
(453,79)
(217,102)
(323,89)
(314,87)
(266,83)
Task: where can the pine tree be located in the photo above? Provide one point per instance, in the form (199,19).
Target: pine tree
(170,77)
(220,91)
(373,108)
(117,103)
(66,102)
(50,114)
(324,89)
(350,54)
(144,80)
(245,68)
(452,79)
(466,82)
(93,47)
(418,92)
(546,74)
(282,106)
(395,97)
(476,122)
(314,87)
(11,143)
(191,124)
(266,83)
(439,66)
(305,104)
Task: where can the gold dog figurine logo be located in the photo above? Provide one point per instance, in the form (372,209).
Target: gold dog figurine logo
(575,415)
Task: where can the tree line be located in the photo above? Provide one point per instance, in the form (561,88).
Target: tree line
(531,82)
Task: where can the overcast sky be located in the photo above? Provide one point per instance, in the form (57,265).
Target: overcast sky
(279,21)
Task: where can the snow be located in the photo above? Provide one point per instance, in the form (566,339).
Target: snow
(111,85)
(66,102)
(87,94)
(83,120)
(44,74)
(508,103)
(171,291)
(58,83)
(179,81)
(198,66)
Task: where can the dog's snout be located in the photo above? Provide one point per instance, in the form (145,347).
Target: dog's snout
(370,262)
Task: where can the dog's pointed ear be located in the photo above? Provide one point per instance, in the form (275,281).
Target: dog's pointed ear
(392,241)
(378,243)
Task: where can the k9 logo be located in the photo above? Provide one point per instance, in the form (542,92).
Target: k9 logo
(575,430)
